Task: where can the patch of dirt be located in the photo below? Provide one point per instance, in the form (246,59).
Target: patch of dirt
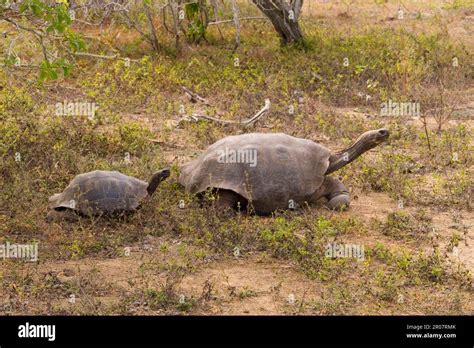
(378,205)
(372,205)
(251,286)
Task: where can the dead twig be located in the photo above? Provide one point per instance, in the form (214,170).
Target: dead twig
(195,97)
(246,123)
(167,144)
(240,19)
(425,126)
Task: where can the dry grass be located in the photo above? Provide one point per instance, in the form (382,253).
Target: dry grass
(418,255)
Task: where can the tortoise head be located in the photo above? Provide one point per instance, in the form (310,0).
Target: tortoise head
(364,143)
(155,180)
(372,138)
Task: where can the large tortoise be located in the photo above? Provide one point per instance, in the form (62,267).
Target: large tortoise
(273,171)
(102,193)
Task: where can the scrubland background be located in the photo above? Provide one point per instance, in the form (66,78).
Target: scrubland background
(412,207)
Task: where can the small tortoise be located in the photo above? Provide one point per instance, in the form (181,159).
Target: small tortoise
(273,171)
(102,193)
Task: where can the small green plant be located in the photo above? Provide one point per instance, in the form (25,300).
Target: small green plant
(246,293)
(402,225)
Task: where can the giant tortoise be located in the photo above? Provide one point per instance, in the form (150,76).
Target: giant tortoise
(267,172)
(102,193)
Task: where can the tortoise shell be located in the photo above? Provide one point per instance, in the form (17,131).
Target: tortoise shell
(99,192)
(267,169)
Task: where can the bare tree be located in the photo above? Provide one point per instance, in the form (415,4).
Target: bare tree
(235,9)
(284,16)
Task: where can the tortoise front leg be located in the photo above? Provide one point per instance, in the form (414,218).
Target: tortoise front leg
(336,193)
(227,199)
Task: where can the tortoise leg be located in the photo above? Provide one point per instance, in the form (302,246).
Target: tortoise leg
(336,193)
(227,199)
(62,215)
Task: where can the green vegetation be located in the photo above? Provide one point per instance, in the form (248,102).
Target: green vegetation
(138,128)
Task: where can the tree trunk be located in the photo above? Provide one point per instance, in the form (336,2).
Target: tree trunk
(284,17)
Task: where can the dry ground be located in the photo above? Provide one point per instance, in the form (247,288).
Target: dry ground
(167,260)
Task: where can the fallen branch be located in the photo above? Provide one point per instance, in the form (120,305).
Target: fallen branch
(195,97)
(92,55)
(99,56)
(240,19)
(167,144)
(246,123)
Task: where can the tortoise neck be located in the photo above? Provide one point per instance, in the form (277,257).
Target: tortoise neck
(341,158)
(154,182)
